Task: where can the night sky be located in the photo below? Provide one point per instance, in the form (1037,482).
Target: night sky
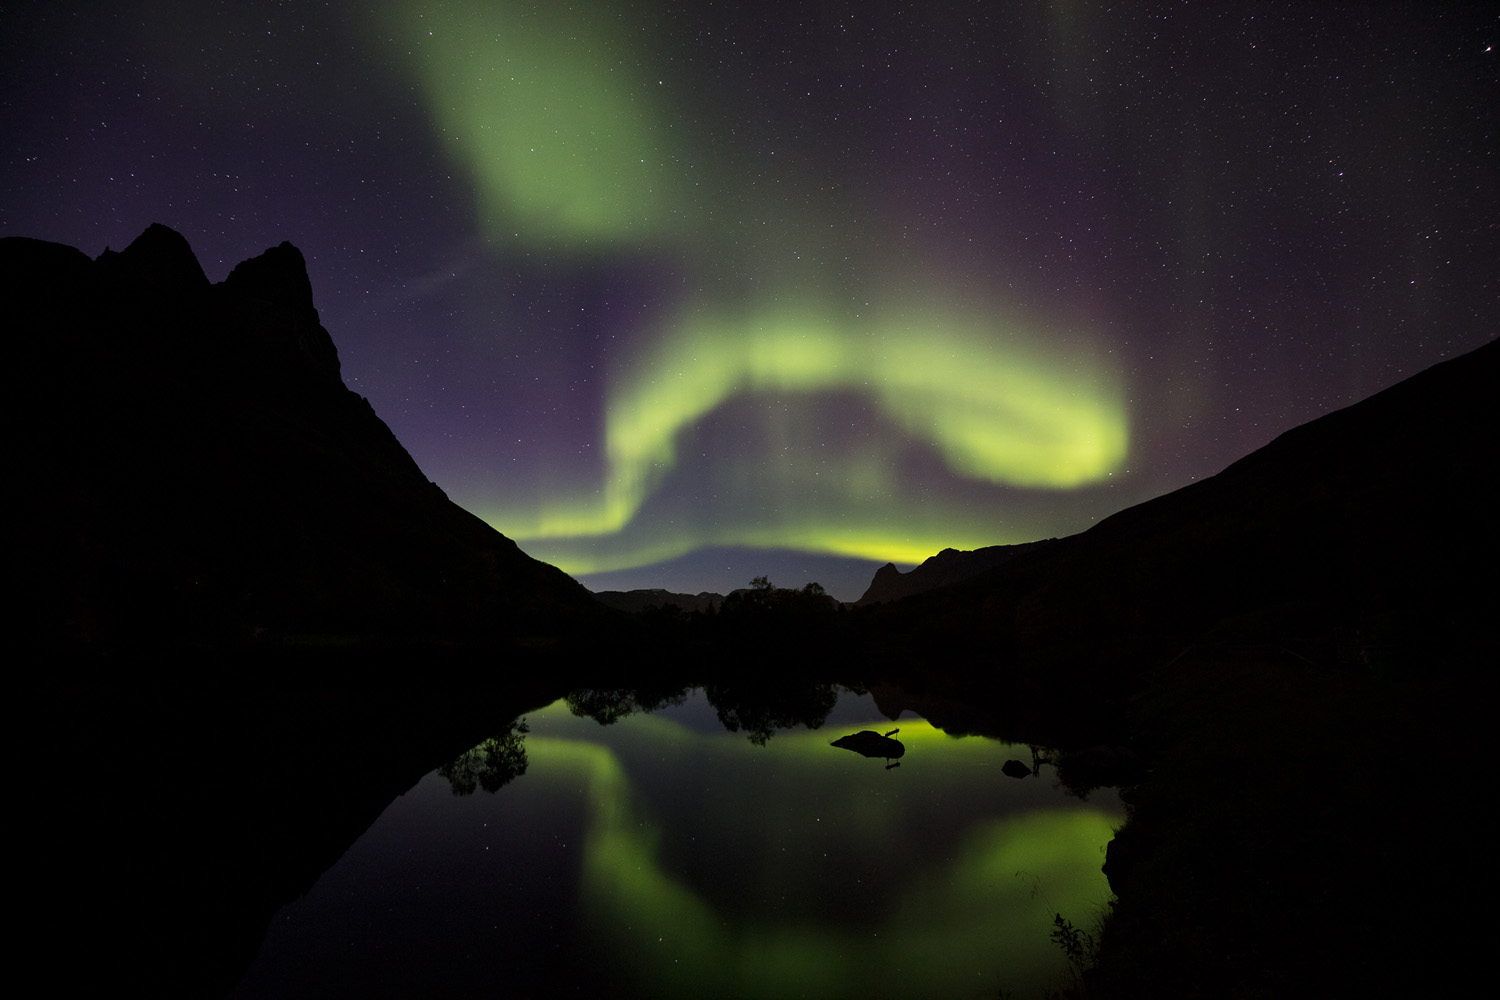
(681,294)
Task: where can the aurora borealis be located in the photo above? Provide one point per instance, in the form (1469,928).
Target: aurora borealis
(679,294)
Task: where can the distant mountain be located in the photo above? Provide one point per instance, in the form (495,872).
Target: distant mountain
(1365,537)
(948,567)
(640,600)
(191,468)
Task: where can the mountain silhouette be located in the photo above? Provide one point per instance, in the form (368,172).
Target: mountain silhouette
(194,470)
(643,599)
(945,569)
(1362,537)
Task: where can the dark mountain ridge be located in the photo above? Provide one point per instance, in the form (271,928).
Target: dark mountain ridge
(195,470)
(1358,537)
(635,601)
(948,567)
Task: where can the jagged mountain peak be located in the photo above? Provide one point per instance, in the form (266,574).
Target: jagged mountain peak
(948,567)
(204,475)
(160,258)
(279,276)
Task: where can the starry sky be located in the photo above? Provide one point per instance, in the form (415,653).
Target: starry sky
(678,294)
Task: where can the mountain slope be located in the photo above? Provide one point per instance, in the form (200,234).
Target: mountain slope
(196,471)
(948,567)
(1364,536)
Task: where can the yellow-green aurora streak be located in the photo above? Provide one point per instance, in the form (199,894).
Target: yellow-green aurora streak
(997,409)
(543,106)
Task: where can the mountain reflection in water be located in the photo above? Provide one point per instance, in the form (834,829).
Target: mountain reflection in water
(663,855)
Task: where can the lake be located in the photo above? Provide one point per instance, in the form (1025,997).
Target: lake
(663,855)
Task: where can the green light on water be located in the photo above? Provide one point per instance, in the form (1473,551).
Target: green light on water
(961,926)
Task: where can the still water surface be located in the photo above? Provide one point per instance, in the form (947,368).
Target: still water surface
(664,856)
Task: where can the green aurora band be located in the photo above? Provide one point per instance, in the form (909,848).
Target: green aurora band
(541,105)
(994,409)
(568,152)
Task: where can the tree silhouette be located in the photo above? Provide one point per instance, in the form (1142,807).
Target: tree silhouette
(491,764)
